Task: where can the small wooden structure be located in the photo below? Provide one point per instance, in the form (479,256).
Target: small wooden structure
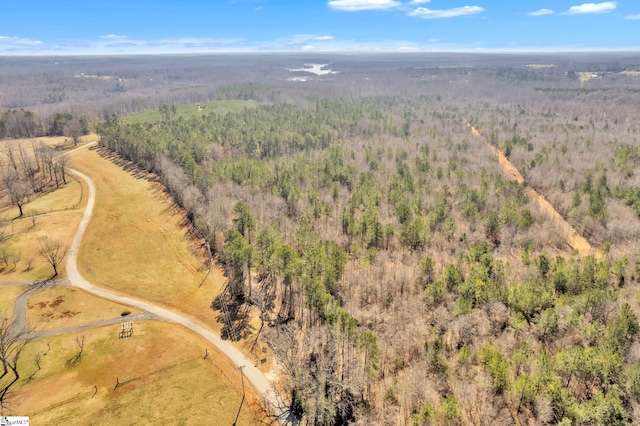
(126,330)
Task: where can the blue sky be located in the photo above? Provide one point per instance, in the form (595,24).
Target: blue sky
(29,27)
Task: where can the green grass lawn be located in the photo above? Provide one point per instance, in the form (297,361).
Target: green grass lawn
(191,110)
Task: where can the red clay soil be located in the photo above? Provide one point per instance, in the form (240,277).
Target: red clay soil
(576,241)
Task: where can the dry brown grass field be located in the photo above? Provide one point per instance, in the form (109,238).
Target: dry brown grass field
(143,248)
(23,240)
(8,295)
(55,308)
(55,214)
(68,197)
(163,374)
(59,141)
(136,242)
(163,380)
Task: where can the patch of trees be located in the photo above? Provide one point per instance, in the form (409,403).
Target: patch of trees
(264,132)
(583,164)
(65,124)
(24,124)
(20,124)
(406,262)
(328,361)
(558,347)
(28,169)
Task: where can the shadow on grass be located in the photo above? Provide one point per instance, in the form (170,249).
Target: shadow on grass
(136,171)
(234,315)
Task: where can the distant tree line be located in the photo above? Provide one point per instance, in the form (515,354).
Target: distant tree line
(21,124)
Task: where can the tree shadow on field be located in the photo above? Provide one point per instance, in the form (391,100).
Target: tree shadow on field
(234,315)
(128,166)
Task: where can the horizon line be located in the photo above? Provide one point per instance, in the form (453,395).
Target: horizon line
(339,52)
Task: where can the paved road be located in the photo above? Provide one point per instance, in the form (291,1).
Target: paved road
(19,324)
(147,316)
(255,376)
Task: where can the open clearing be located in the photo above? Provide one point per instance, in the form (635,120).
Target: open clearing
(142,248)
(60,307)
(163,380)
(67,197)
(190,110)
(59,140)
(54,215)
(8,295)
(161,368)
(23,241)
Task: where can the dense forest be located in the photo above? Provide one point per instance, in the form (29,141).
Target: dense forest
(399,274)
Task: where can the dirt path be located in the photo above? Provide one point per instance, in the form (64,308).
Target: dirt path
(259,381)
(20,312)
(574,240)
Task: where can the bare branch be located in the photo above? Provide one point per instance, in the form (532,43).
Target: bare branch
(53,252)
(12,343)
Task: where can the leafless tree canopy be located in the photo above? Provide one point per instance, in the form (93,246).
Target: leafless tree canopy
(53,252)
(388,223)
(12,345)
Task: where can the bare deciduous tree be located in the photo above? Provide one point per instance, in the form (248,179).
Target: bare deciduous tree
(29,167)
(53,252)
(29,263)
(325,380)
(16,187)
(61,166)
(36,359)
(7,149)
(12,344)
(78,356)
(74,129)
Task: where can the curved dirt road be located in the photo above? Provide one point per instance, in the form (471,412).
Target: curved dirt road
(255,376)
(19,324)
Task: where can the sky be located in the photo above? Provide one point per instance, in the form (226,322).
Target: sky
(72,27)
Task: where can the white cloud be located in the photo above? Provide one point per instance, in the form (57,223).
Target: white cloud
(20,41)
(12,44)
(423,12)
(112,36)
(300,39)
(419,1)
(634,17)
(541,12)
(588,8)
(17,46)
(359,5)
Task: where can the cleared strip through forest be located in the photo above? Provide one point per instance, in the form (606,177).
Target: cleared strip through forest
(573,238)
